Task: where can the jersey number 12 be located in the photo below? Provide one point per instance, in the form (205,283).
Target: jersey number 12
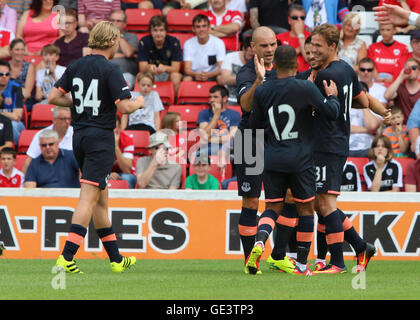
(91,98)
(287,132)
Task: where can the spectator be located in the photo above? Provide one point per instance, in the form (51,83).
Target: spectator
(6,133)
(382,173)
(8,18)
(412,175)
(54,168)
(415,45)
(405,90)
(124,57)
(319,12)
(413,126)
(61,125)
(351,48)
(201,179)
(297,34)
(230,68)
(160,54)
(225,24)
(176,130)
(219,125)
(20,6)
(351,178)
(10,177)
(270,13)
(204,53)
(124,154)
(38,26)
(397,133)
(48,76)
(411,5)
(235,5)
(366,70)
(388,54)
(154,171)
(147,118)
(11,100)
(6,37)
(73,44)
(367,5)
(22,71)
(92,11)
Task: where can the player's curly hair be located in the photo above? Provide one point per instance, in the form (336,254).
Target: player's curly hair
(329,32)
(104,35)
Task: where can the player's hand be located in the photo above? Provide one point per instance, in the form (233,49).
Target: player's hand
(140,102)
(330,90)
(391,14)
(259,68)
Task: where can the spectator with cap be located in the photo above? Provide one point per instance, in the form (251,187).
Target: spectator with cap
(54,168)
(154,171)
(201,179)
(415,45)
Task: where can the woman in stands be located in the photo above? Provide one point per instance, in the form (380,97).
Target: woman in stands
(382,173)
(351,49)
(177,136)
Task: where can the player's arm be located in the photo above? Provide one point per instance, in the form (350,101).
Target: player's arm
(128,106)
(59,98)
(329,106)
(248,97)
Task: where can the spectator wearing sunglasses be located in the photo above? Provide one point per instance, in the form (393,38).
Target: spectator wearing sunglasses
(366,69)
(297,35)
(405,90)
(54,168)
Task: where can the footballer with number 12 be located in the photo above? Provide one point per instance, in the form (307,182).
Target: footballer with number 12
(98,89)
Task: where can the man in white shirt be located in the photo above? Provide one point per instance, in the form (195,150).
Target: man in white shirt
(366,71)
(204,53)
(61,124)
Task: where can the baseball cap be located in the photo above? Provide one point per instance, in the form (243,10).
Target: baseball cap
(415,34)
(157,139)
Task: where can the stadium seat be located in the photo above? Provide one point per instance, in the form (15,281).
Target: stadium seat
(359,162)
(189,113)
(141,141)
(182,37)
(368,23)
(35,60)
(118,184)
(194,92)
(41,115)
(138,19)
(404,162)
(232,185)
(181,19)
(367,38)
(166,91)
(25,140)
(184,174)
(20,160)
(25,116)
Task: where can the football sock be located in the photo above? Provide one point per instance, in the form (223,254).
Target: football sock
(74,240)
(321,242)
(109,240)
(304,235)
(351,235)
(335,236)
(247,229)
(279,251)
(265,225)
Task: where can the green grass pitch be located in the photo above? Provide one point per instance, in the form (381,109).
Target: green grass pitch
(203,280)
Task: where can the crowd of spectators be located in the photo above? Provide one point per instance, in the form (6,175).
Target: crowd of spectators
(38,42)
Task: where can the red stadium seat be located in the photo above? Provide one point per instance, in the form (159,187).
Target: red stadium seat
(166,91)
(232,185)
(404,162)
(138,19)
(118,184)
(25,140)
(41,115)
(194,92)
(35,60)
(182,37)
(189,113)
(141,141)
(181,19)
(184,169)
(359,163)
(20,160)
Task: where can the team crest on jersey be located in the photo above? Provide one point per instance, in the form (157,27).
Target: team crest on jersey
(246,186)
(228,17)
(389,171)
(349,175)
(397,52)
(1,126)
(168,53)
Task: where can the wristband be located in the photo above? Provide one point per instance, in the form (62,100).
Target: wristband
(412,19)
(301,36)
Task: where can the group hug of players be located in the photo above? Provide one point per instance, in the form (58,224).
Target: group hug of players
(305,118)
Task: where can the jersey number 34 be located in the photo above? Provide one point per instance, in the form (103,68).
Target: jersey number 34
(90,99)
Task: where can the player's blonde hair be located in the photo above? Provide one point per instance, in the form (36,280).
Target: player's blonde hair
(104,35)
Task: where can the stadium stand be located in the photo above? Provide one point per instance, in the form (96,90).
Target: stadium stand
(41,115)
(20,160)
(180,20)
(138,19)
(182,37)
(25,140)
(189,113)
(194,92)
(118,184)
(141,141)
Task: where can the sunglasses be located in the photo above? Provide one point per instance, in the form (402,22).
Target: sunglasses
(64,119)
(366,69)
(44,145)
(413,67)
(298,17)
(4,74)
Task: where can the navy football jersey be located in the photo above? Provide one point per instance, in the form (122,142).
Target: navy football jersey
(244,81)
(392,175)
(332,136)
(96,85)
(351,178)
(283,107)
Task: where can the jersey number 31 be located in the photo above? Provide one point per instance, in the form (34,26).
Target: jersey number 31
(91,98)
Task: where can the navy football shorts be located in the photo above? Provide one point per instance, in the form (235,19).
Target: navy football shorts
(329,172)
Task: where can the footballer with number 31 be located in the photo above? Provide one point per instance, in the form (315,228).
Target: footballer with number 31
(98,90)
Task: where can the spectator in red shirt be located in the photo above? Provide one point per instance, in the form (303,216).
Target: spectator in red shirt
(297,34)
(405,90)
(225,24)
(388,54)
(10,177)
(124,154)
